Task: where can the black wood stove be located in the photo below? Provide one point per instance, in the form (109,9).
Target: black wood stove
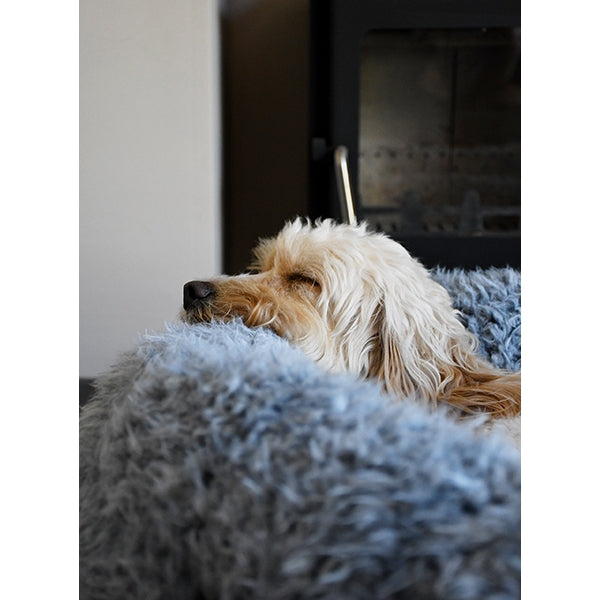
(415,124)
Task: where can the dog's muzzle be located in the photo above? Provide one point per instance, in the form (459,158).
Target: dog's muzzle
(196,293)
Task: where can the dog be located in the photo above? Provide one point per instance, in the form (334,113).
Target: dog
(356,301)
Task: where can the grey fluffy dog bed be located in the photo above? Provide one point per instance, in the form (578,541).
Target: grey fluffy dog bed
(218,462)
(490,304)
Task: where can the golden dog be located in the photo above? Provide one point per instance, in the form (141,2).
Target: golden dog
(357,302)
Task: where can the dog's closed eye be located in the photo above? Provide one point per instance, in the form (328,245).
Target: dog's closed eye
(303,279)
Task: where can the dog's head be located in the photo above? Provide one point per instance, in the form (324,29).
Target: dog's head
(350,299)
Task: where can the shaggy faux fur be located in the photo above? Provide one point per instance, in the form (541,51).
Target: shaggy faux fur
(219,462)
(490,304)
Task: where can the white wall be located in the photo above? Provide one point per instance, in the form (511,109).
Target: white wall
(149,166)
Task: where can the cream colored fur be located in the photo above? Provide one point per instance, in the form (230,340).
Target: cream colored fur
(356,301)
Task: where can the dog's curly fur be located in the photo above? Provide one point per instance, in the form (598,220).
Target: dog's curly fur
(356,301)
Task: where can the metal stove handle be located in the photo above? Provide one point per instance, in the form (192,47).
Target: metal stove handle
(342,177)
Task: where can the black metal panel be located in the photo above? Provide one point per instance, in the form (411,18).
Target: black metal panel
(464,252)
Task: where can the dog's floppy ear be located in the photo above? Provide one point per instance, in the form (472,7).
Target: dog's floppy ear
(403,355)
(421,348)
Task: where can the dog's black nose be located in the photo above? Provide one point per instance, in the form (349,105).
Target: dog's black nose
(195,292)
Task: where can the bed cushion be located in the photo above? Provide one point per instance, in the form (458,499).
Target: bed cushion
(216,461)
